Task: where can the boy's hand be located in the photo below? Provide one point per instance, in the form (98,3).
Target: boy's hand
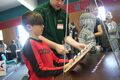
(68,64)
(61,49)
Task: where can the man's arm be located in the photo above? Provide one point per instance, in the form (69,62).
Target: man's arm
(58,47)
(74,43)
(100,30)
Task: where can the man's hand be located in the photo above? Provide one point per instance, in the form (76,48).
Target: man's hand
(61,49)
(81,46)
(74,43)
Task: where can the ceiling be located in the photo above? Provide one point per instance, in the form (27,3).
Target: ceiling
(7,4)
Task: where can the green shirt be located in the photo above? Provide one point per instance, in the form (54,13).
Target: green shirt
(52,21)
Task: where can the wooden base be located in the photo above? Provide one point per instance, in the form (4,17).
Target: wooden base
(78,57)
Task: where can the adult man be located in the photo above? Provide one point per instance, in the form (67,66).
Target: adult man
(55,23)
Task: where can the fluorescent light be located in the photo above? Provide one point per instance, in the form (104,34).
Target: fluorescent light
(23,2)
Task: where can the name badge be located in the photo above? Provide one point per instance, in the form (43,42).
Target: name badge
(60,26)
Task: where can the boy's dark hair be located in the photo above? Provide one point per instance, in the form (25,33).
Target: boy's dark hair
(32,18)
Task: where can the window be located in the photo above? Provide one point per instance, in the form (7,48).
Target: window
(23,35)
(102,13)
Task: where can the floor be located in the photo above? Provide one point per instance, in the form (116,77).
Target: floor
(103,67)
(15,72)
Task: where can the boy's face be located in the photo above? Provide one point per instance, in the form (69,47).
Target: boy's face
(37,29)
(57,4)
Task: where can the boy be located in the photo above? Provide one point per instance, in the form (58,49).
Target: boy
(38,57)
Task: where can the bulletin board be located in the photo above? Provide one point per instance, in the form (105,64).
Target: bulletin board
(75,17)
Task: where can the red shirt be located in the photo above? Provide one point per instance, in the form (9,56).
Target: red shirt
(40,60)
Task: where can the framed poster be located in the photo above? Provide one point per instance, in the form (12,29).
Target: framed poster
(2,68)
(1,35)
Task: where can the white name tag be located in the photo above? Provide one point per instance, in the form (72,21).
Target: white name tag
(60,26)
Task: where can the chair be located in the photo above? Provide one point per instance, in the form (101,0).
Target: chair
(10,61)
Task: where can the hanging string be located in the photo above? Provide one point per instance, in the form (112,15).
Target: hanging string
(117,61)
(66,31)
